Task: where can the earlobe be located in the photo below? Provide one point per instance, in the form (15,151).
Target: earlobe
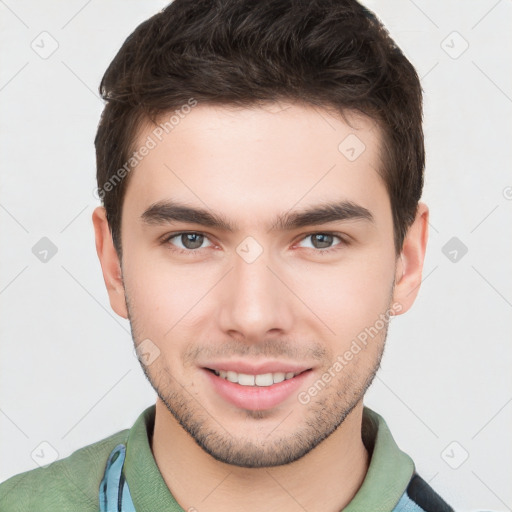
(109,260)
(410,263)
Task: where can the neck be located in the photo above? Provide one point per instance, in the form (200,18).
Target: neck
(326,479)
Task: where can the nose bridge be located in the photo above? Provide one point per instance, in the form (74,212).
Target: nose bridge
(256,300)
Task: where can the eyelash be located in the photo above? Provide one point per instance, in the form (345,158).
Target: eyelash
(189,252)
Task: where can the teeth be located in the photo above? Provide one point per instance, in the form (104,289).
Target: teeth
(246,380)
(265,379)
(279,377)
(232,376)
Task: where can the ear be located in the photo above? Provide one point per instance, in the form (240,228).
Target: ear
(410,262)
(109,260)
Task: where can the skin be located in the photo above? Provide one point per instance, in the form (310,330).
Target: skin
(291,304)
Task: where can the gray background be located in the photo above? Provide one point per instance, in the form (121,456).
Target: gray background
(68,373)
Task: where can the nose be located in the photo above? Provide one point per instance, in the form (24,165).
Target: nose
(255,300)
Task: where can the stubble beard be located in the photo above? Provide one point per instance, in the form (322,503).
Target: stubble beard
(325,413)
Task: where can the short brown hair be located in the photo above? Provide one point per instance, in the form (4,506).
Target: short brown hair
(330,53)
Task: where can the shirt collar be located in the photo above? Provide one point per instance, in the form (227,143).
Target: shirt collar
(388,475)
(389,472)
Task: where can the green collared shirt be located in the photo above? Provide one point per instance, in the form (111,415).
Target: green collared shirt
(72,484)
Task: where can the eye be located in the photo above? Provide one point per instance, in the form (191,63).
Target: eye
(190,242)
(323,242)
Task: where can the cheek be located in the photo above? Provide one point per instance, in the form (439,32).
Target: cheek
(348,297)
(162,296)
(342,297)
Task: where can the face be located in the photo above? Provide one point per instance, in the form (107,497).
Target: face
(263,310)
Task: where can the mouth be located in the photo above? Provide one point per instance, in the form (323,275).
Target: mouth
(260,380)
(263,389)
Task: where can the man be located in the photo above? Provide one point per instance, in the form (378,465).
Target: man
(260,166)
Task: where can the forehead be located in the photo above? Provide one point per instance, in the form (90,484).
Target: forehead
(245,162)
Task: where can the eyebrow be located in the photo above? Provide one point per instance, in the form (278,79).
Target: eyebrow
(167,211)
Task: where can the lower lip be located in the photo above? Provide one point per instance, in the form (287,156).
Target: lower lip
(255,398)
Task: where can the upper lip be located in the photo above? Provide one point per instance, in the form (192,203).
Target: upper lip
(257,368)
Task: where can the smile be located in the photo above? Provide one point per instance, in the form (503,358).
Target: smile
(256,391)
(263,379)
